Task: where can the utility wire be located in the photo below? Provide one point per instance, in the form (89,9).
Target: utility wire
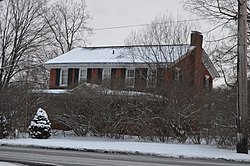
(140,25)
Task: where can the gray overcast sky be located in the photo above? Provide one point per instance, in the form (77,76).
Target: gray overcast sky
(113,13)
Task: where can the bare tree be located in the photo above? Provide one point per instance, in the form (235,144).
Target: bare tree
(160,37)
(31,33)
(167,40)
(219,9)
(162,30)
(22,32)
(67,20)
(223,14)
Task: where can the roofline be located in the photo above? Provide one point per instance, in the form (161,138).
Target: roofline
(128,46)
(184,55)
(107,63)
(209,65)
(118,47)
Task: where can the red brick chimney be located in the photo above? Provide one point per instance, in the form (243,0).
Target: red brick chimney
(196,40)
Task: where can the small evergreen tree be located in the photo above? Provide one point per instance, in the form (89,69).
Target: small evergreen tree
(40,126)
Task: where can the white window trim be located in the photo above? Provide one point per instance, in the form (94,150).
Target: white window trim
(130,78)
(61,77)
(177,74)
(106,74)
(150,77)
(83,79)
(206,82)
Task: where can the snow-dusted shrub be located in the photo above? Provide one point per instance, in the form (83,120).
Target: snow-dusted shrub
(40,125)
(3,124)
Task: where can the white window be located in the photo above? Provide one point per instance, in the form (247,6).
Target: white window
(130,78)
(177,74)
(106,74)
(83,75)
(64,77)
(206,82)
(152,78)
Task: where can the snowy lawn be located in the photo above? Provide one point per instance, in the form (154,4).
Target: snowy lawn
(128,146)
(9,164)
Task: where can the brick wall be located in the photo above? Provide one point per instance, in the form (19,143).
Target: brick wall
(191,67)
(54,78)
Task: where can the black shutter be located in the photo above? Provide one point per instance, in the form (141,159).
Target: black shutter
(89,75)
(70,72)
(76,78)
(58,71)
(99,76)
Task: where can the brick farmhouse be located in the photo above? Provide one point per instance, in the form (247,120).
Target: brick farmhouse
(134,67)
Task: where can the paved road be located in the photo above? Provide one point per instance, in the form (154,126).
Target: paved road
(76,158)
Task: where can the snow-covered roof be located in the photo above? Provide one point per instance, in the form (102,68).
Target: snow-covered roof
(209,65)
(122,54)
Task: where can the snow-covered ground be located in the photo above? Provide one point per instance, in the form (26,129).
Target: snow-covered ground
(132,146)
(9,164)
